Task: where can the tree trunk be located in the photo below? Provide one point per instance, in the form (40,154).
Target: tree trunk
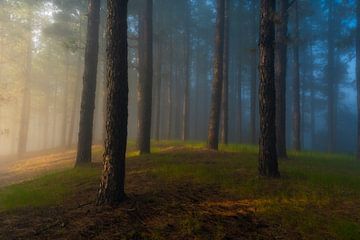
(296,86)
(268,165)
(213,129)
(25,111)
(112,182)
(225,87)
(65,101)
(331,81)
(89,85)
(280,78)
(186,103)
(159,87)
(145,76)
(358,75)
(253,82)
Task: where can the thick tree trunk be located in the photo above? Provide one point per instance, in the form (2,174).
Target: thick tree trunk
(296,86)
(113,178)
(268,165)
(225,87)
(280,78)
(89,85)
(145,76)
(214,121)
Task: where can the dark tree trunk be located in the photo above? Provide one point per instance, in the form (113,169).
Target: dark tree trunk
(253,82)
(280,78)
(112,182)
(225,87)
(213,129)
(159,87)
(268,165)
(89,85)
(331,81)
(358,75)
(25,110)
(239,101)
(296,86)
(186,104)
(145,76)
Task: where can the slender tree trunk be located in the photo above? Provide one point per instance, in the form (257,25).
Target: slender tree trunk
(225,87)
(113,178)
(54,115)
(280,78)
(159,87)
(145,76)
(358,75)
(186,103)
(169,91)
(213,129)
(331,80)
(25,111)
(296,86)
(239,100)
(268,165)
(89,85)
(253,82)
(65,101)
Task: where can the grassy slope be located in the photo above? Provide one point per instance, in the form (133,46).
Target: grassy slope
(318,194)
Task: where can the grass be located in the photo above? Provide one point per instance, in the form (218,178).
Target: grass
(318,195)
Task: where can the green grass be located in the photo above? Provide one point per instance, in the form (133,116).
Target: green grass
(317,196)
(47,190)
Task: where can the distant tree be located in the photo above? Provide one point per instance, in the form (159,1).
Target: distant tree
(296,85)
(89,85)
(112,183)
(214,121)
(358,74)
(268,165)
(280,77)
(145,76)
(225,87)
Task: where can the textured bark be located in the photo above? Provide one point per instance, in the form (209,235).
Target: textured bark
(25,109)
(358,75)
(186,103)
(225,88)
(280,78)
(296,86)
(145,76)
(113,177)
(89,85)
(268,165)
(331,79)
(214,121)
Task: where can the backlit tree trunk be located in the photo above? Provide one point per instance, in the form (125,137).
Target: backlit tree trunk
(89,85)
(358,75)
(213,128)
(145,76)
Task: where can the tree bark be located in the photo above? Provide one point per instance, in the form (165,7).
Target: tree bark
(280,78)
(145,76)
(225,87)
(89,85)
(113,178)
(296,86)
(268,165)
(214,121)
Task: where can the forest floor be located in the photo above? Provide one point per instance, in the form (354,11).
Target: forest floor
(183,191)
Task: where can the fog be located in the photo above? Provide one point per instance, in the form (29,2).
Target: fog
(42,47)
